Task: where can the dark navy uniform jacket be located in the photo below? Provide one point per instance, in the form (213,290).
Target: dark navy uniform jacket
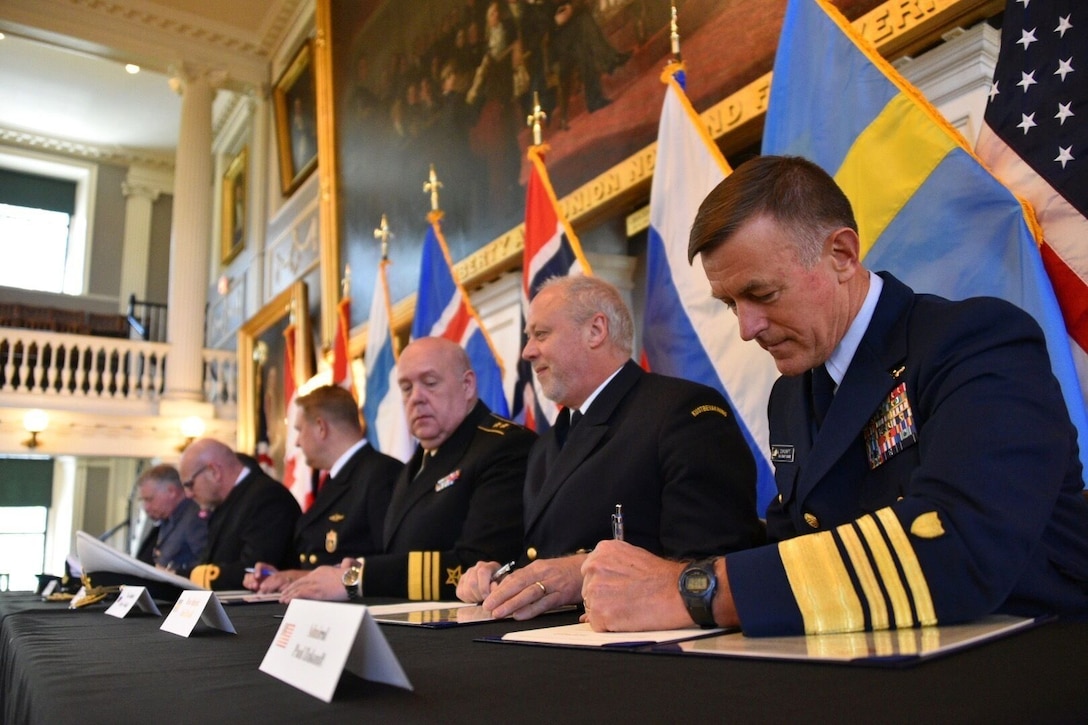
(348,512)
(669,451)
(463,507)
(255,523)
(944,484)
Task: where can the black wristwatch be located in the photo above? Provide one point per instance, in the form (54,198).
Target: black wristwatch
(353,581)
(698,584)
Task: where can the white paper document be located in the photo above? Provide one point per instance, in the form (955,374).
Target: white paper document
(381,610)
(317,641)
(95,555)
(245,596)
(581,635)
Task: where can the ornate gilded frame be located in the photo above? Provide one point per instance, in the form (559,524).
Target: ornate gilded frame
(269,322)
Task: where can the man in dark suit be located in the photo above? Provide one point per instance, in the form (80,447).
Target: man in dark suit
(669,451)
(251,517)
(457,501)
(927,469)
(179,533)
(347,513)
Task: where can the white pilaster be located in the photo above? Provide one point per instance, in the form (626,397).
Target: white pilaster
(141,188)
(190,241)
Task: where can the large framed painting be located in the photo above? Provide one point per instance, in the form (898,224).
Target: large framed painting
(262,370)
(451,84)
(295,100)
(234,195)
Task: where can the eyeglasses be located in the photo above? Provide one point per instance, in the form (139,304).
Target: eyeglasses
(189,484)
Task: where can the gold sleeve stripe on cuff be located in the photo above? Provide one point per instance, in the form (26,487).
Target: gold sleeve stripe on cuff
(889,575)
(863,570)
(821,585)
(415,575)
(912,568)
(423,575)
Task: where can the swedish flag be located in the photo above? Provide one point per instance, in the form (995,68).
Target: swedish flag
(927,210)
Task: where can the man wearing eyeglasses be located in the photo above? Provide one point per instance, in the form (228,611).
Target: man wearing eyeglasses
(251,517)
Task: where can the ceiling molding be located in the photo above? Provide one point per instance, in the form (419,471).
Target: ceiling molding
(116,156)
(155,35)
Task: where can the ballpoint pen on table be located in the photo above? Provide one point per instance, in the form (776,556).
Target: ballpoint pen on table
(617,523)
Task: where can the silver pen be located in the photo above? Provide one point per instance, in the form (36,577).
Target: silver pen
(617,523)
(502,571)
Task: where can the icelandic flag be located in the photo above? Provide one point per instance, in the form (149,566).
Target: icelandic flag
(551,250)
(687,333)
(387,426)
(443,309)
(927,210)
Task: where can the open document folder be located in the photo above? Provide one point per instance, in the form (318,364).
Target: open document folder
(889,648)
(106,566)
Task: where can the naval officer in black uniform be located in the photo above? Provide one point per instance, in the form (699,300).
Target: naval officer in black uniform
(457,501)
(346,516)
(670,452)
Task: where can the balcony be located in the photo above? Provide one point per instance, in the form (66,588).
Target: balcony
(103,394)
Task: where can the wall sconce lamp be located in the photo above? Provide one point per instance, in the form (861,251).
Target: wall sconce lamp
(34,422)
(192,428)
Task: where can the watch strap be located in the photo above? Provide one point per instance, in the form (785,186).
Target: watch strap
(701,606)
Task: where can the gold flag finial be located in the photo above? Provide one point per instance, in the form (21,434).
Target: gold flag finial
(345,283)
(291,312)
(383,233)
(432,186)
(535,118)
(674,35)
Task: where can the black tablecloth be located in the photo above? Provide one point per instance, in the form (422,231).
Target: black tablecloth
(83,666)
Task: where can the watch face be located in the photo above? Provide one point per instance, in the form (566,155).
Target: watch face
(351,576)
(696,581)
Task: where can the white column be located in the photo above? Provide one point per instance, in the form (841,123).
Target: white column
(190,241)
(140,193)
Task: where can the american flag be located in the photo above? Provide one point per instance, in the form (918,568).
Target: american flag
(1034,140)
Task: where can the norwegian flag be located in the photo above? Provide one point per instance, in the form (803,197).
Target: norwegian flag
(443,309)
(551,250)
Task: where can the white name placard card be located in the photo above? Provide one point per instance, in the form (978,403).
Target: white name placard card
(317,641)
(132,596)
(196,606)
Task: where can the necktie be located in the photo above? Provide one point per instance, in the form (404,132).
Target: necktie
(422,463)
(563,428)
(823,391)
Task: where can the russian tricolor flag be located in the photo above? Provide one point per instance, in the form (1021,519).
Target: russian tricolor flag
(443,309)
(687,333)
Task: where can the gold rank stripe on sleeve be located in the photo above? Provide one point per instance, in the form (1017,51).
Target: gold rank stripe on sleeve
(889,575)
(870,583)
(423,568)
(821,584)
(879,554)
(912,568)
